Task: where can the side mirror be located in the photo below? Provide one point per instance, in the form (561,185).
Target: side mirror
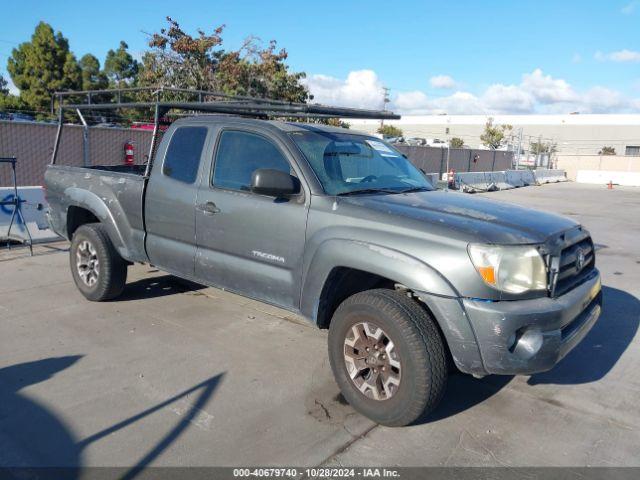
(274,183)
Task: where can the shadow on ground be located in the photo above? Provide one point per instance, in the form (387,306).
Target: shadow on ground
(154,287)
(33,436)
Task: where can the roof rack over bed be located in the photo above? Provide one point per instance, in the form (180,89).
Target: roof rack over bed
(163,99)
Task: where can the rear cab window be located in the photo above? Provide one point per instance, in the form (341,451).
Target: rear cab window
(182,159)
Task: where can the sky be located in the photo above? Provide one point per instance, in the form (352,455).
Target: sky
(456,57)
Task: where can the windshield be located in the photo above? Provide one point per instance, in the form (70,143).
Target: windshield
(347,163)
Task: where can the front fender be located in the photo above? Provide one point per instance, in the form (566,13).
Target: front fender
(429,285)
(371,258)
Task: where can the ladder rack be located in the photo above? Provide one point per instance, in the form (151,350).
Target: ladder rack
(163,99)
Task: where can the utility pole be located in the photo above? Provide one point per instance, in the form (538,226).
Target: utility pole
(448,155)
(519,148)
(385,100)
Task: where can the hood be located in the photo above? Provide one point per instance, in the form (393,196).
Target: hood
(476,218)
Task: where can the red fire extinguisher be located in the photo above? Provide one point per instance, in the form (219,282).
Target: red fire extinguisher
(129,151)
(451,179)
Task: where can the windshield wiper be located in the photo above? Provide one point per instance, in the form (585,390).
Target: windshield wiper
(367,190)
(415,189)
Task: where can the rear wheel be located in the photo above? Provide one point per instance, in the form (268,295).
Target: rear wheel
(387,356)
(98,270)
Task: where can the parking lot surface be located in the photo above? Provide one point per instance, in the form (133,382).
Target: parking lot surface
(177,374)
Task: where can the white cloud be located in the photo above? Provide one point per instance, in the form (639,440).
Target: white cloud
(629,8)
(361,89)
(443,81)
(458,103)
(603,100)
(618,56)
(415,100)
(537,92)
(547,89)
(508,99)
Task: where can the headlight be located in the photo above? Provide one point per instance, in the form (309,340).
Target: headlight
(513,269)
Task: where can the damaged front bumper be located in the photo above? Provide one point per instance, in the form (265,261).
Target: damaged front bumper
(521,336)
(530,336)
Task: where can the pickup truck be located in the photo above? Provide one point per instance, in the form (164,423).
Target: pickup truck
(339,227)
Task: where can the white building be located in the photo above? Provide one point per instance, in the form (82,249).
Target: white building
(572,134)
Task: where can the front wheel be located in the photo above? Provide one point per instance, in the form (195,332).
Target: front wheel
(98,270)
(387,356)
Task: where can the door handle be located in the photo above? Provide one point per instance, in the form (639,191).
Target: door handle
(209,208)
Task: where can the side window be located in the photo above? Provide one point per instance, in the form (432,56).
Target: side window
(239,154)
(183,154)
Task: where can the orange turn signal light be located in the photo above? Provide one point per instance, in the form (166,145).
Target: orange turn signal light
(488,274)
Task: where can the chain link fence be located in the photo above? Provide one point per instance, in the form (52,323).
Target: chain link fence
(32,144)
(434,159)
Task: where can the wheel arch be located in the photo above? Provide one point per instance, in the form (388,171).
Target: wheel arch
(345,266)
(86,207)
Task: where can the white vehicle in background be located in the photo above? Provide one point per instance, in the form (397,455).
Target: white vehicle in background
(436,142)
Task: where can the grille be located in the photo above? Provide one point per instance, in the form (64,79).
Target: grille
(570,273)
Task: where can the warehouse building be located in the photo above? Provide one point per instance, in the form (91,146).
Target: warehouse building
(574,134)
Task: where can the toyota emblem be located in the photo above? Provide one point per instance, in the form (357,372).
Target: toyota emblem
(580,259)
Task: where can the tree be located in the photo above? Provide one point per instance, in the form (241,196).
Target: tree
(389,131)
(7,100)
(336,122)
(456,142)
(120,67)
(607,151)
(538,148)
(42,66)
(4,89)
(493,136)
(91,76)
(178,59)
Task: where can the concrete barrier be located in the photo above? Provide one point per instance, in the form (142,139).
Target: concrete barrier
(514,178)
(497,180)
(520,178)
(471,182)
(33,209)
(543,175)
(603,177)
(528,178)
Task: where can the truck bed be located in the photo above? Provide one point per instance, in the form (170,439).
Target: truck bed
(104,191)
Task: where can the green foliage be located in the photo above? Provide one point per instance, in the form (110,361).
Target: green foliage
(389,131)
(42,66)
(494,136)
(456,142)
(336,122)
(120,67)
(12,103)
(9,102)
(607,151)
(92,78)
(4,89)
(178,59)
(538,148)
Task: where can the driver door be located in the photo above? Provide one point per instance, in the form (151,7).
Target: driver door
(249,243)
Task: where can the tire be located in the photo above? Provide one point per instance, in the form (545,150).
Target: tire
(98,270)
(416,365)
